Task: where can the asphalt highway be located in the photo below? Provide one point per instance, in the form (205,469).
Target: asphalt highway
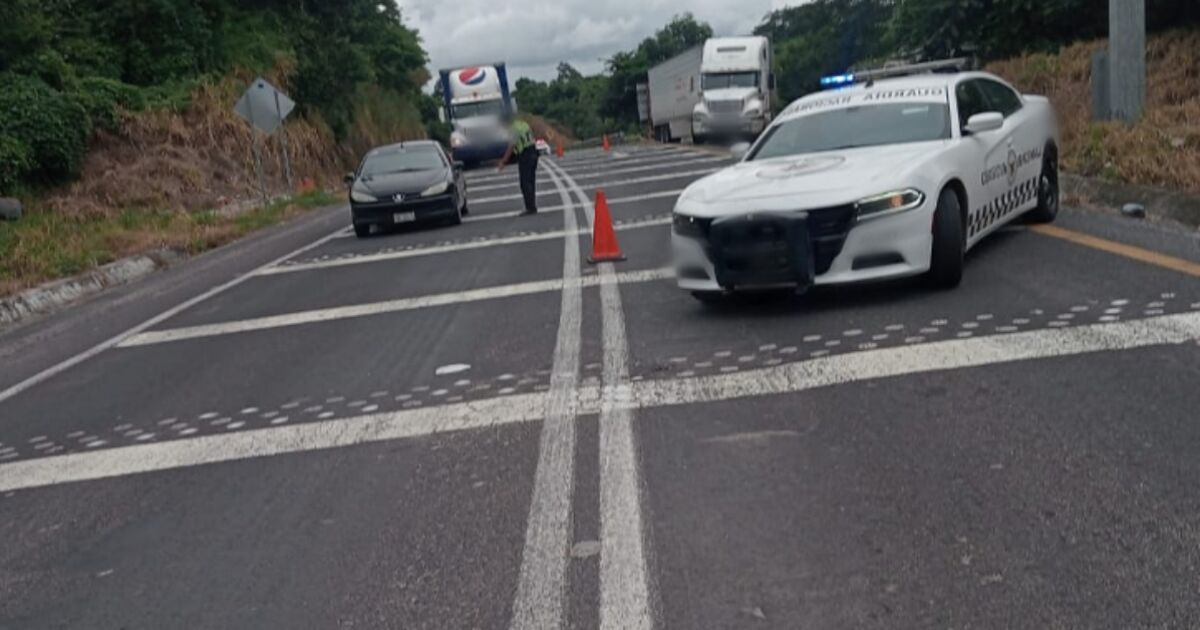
(472,427)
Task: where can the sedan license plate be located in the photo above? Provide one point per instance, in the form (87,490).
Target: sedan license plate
(404,217)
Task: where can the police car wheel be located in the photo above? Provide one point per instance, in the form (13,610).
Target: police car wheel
(1048,193)
(362,231)
(949,243)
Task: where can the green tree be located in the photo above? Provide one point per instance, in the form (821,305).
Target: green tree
(629,68)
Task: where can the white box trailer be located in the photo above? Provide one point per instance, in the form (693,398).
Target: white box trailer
(674,92)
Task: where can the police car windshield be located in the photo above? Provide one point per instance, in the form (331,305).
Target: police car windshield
(402,160)
(478,108)
(859,126)
(718,81)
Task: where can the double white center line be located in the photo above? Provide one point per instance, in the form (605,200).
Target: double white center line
(540,588)
(624,591)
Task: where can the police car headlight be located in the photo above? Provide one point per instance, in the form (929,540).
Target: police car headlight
(361,197)
(694,227)
(889,203)
(435,189)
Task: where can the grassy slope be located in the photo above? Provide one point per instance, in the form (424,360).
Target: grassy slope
(47,245)
(174,178)
(1163,149)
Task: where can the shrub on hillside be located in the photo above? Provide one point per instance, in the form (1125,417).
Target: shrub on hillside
(14,163)
(52,128)
(105,98)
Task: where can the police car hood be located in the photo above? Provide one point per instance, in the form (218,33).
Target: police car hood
(811,180)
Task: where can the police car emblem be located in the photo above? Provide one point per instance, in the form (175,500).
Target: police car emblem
(800,167)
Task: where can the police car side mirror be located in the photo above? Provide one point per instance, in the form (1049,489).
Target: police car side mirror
(985,121)
(740,150)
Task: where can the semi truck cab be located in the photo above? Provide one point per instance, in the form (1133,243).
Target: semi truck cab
(475,100)
(736,85)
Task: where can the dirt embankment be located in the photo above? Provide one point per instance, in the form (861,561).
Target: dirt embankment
(199,158)
(1162,149)
(187,180)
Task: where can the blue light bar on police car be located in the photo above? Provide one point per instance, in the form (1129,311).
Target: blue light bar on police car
(837,80)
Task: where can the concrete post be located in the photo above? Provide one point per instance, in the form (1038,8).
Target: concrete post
(1100,92)
(1127,58)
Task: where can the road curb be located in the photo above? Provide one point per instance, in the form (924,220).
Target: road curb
(1160,203)
(52,296)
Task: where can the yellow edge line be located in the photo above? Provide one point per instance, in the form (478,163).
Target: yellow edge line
(1120,249)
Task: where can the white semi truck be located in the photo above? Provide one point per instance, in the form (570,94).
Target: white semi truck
(720,89)
(737,87)
(475,100)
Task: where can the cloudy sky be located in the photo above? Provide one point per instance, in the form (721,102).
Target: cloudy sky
(534,35)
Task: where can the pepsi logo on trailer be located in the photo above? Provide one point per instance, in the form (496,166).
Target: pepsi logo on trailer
(472,76)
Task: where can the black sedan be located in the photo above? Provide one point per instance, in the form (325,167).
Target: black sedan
(405,183)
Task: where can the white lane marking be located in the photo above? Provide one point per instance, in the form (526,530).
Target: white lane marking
(916,359)
(447,249)
(453,368)
(541,583)
(624,581)
(662,194)
(616,184)
(586,166)
(379,308)
(264,442)
(62,366)
(790,378)
(618,171)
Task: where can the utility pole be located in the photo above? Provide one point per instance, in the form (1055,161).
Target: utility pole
(1126,59)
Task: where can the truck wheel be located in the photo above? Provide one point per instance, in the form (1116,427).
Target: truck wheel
(1047,208)
(949,243)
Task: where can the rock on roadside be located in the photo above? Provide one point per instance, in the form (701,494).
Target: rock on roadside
(10,209)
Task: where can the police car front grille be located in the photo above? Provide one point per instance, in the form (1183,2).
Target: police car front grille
(827,230)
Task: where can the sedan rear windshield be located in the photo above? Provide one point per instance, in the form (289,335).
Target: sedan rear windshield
(852,127)
(402,160)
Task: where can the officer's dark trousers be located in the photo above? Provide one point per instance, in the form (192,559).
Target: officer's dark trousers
(527,164)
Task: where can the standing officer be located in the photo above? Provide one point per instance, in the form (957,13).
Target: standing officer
(524,148)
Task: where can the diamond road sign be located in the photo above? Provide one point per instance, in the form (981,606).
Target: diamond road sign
(264,106)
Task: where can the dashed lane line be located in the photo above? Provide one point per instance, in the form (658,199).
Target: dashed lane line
(616,184)
(118,340)
(380,308)
(541,582)
(612,201)
(843,369)
(624,580)
(446,249)
(620,171)
(662,194)
(1120,249)
(600,164)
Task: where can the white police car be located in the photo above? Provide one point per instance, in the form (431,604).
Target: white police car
(896,173)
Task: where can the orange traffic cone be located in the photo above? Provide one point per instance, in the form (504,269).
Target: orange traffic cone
(604,143)
(558,150)
(604,238)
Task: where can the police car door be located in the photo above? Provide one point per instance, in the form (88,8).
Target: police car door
(988,154)
(1022,159)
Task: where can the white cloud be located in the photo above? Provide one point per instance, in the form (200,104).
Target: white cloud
(533,36)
